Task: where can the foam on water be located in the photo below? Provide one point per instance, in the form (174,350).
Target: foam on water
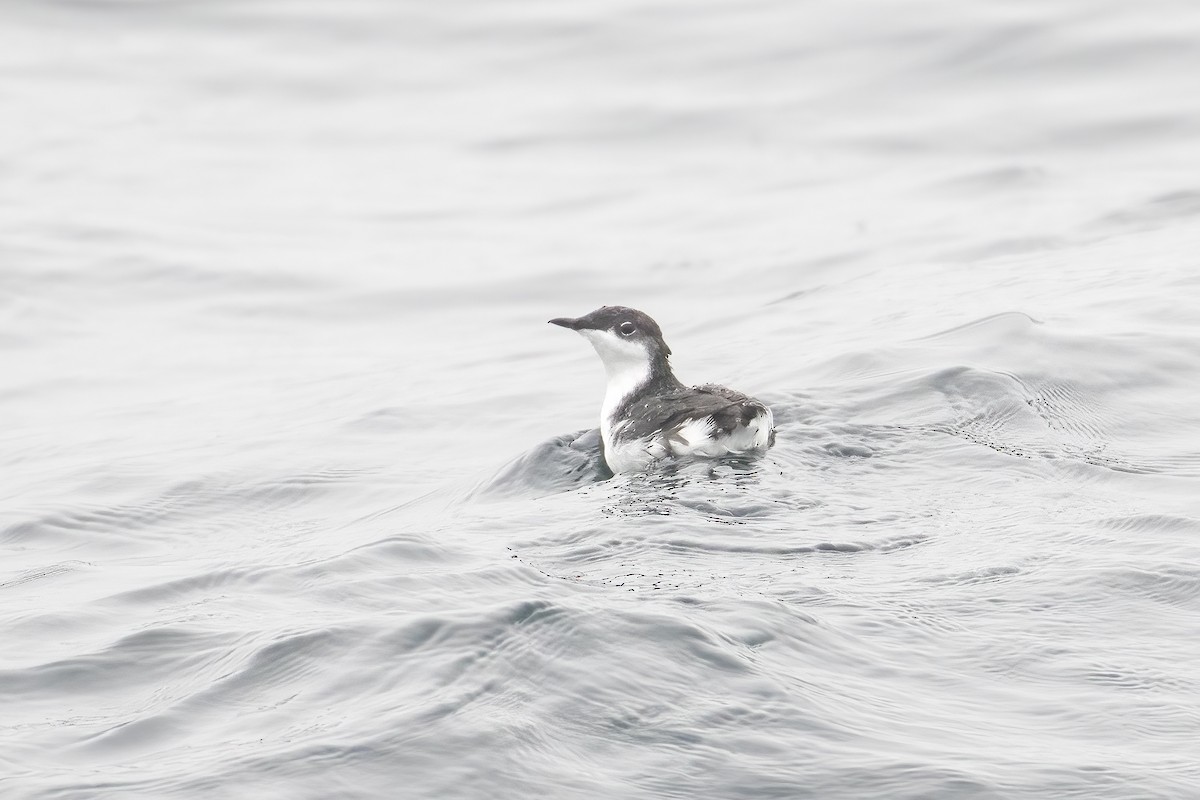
(297,501)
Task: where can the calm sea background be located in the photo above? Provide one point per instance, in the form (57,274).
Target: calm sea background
(293,504)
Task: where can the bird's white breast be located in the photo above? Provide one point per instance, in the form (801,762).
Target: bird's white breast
(627,366)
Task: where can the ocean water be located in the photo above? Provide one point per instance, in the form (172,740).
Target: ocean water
(300,492)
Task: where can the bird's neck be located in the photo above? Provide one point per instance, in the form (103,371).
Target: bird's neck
(630,380)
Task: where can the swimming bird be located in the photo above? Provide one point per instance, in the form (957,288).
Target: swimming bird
(648,414)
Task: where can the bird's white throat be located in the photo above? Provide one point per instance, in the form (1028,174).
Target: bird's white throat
(627,364)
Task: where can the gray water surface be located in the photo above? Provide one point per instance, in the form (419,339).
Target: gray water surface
(301,495)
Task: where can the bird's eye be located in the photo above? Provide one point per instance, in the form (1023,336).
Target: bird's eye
(627,329)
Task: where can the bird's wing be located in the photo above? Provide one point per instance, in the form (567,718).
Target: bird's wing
(686,417)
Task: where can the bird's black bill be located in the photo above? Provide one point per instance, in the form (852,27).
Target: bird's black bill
(567,322)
